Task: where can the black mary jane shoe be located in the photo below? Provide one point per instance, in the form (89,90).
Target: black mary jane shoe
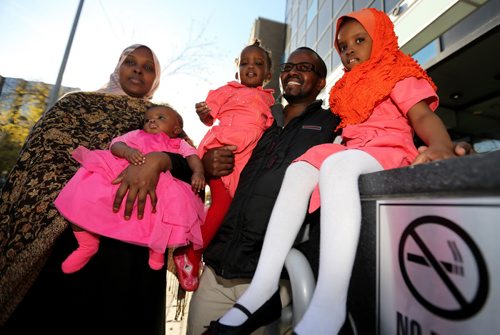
(267,313)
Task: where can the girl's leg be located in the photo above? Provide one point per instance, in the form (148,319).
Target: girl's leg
(285,222)
(186,259)
(88,244)
(340,226)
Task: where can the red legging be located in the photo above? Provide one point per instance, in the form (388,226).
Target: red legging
(221,200)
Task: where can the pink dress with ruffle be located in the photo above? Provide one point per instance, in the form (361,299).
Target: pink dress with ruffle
(386,135)
(87,199)
(244,114)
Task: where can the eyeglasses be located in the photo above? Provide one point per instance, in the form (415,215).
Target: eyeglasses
(302,67)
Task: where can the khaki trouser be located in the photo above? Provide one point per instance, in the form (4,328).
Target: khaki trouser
(215,296)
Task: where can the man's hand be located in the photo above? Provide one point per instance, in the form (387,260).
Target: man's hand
(220,161)
(139,182)
(463,148)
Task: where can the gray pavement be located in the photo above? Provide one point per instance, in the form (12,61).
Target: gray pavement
(176,308)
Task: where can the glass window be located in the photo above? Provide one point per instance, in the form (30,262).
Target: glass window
(288,36)
(428,52)
(360,4)
(294,24)
(325,16)
(312,34)
(312,11)
(301,30)
(346,9)
(288,11)
(337,6)
(302,41)
(293,42)
(488,12)
(302,9)
(336,62)
(389,5)
(377,4)
(325,43)
(328,60)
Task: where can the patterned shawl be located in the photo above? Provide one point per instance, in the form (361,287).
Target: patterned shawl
(359,91)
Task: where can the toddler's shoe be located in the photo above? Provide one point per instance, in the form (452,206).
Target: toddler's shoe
(186,273)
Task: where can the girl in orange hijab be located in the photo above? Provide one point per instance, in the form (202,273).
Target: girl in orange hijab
(382,98)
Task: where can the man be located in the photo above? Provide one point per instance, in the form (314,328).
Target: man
(232,256)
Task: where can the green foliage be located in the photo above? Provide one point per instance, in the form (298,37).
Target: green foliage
(8,151)
(20,107)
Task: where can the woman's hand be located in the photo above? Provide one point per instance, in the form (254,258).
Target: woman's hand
(138,182)
(219,161)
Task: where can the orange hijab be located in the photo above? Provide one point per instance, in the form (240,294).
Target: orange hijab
(359,91)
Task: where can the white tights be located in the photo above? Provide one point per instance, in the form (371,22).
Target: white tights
(340,225)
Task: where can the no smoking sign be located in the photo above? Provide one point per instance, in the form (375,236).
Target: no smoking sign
(438,266)
(435,254)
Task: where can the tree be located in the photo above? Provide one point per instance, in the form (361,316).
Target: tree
(21,106)
(192,57)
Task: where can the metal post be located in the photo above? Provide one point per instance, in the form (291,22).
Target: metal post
(54,95)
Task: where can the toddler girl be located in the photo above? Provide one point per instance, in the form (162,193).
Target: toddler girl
(243,111)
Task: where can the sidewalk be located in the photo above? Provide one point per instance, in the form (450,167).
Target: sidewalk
(176,309)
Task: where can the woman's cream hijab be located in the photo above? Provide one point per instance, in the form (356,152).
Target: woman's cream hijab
(113,86)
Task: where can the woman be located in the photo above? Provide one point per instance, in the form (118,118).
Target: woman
(116,292)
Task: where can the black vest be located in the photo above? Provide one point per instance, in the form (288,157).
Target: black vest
(235,250)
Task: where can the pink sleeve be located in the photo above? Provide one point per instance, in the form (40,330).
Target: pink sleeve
(186,150)
(410,91)
(127,138)
(216,99)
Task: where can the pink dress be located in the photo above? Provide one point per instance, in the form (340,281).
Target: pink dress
(87,199)
(386,135)
(244,114)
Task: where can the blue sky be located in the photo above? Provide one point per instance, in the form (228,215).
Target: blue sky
(34,34)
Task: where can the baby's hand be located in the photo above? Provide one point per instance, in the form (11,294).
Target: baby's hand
(197,182)
(429,154)
(134,156)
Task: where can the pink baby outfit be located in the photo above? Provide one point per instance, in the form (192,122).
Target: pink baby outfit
(87,199)
(244,114)
(386,135)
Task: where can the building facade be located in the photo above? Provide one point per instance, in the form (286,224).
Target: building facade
(272,36)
